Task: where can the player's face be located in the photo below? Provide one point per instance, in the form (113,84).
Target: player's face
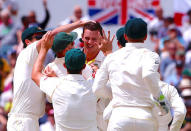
(91,39)
(36,36)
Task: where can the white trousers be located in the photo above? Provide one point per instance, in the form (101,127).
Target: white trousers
(69,129)
(22,123)
(125,120)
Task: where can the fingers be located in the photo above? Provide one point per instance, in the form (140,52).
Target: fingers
(112,38)
(104,36)
(108,35)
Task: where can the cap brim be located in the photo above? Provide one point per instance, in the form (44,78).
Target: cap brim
(74,35)
(42,31)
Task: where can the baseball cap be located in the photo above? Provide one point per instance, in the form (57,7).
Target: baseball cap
(75,59)
(30,31)
(62,40)
(120,36)
(186,72)
(136,28)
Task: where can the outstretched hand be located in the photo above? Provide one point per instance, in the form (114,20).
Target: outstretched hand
(105,43)
(47,40)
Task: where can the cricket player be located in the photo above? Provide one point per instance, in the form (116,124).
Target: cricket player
(177,106)
(171,94)
(29,100)
(60,47)
(73,100)
(133,74)
(95,52)
(120,37)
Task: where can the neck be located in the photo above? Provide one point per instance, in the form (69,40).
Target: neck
(136,41)
(90,55)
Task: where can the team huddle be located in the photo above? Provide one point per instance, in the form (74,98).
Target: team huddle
(93,88)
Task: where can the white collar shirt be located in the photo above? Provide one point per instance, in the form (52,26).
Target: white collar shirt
(28,98)
(177,106)
(58,67)
(125,69)
(73,101)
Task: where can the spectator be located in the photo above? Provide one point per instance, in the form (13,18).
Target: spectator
(3,120)
(4,71)
(171,48)
(8,36)
(77,15)
(157,23)
(50,123)
(33,21)
(174,35)
(173,72)
(186,28)
(163,31)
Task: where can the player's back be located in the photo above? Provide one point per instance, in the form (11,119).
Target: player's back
(74,103)
(125,68)
(28,98)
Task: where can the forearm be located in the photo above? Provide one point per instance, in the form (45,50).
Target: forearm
(68,28)
(38,66)
(100,82)
(177,121)
(44,23)
(179,114)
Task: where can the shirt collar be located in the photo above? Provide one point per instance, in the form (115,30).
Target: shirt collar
(61,59)
(136,45)
(74,77)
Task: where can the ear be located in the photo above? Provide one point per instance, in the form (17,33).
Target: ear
(119,46)
(64,65)
(82,36)
(27,42)
(145,37)
(84,66)
(125,36)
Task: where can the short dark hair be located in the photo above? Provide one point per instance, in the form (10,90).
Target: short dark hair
(93,26)
(74,71)
(189,12)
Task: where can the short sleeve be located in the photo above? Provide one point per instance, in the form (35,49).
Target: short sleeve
(150,63)
(32,53)
(48,85)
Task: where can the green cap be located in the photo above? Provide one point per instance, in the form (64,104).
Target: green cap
(62,40)
(75,59)
(186,72)
(31,31)
(136,28)
(120,36)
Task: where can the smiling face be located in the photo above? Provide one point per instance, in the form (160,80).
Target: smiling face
(91,39)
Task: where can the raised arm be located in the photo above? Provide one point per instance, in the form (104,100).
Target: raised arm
(46,44)
(69,27)
(44,23)
(105,44)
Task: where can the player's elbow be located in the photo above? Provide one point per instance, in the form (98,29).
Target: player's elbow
(181,113)
(34,77)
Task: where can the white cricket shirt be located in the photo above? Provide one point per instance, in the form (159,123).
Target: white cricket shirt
(177,106)
(73,101)
(125,69)
(28,98)
(58,67)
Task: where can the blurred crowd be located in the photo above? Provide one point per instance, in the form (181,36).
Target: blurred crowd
(172,43)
